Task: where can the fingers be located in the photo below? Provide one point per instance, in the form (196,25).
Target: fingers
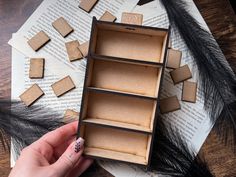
(69,158)
(59,136)
(58,151)
(80,167)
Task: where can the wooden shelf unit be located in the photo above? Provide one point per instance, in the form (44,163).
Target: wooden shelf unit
(121,91)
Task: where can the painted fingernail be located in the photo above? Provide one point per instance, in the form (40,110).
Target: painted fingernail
(78,144)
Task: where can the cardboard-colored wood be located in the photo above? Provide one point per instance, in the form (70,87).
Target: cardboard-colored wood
(87,5)
(132,18)
(36,70)
(73,50)
(115,155)
(108,17)
(189,92)
(130,78)
(62,26)
(127,28)
(63,86)
(173,59)
(117,124)
(122,83)
(181,74)
(31,95)
(38,40)
(84,48)
(116,144)
(130,45)
(71,115)
(169,104)
(116,109)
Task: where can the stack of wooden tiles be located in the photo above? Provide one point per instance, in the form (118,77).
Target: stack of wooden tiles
(121,90)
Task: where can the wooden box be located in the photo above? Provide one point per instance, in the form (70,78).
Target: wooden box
(120,97)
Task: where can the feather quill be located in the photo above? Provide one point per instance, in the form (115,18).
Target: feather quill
(25,124)
(217,80)
(173,157)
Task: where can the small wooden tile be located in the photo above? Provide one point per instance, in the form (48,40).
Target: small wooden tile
(173,59)
(71,115)
(31,95)
(132,18)
(87,5)
(169,104)
(38,41)
(84,48)
(189,92)
(181,74)
(62,26)
(36,70)
(108,17)
(63,86)
(73,50)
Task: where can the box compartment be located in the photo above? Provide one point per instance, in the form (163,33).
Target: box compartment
(137,43)
(124,77)
(115,110)
(116,144)
(120,96)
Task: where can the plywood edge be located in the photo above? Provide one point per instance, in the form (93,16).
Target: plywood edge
(126,60)
(108,154)
(117,124)
(148,147)
(117,92)
(164,48)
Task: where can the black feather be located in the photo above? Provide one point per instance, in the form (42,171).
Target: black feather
(217,80)
(173,157)
(25,124)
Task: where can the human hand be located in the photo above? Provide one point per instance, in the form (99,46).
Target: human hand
(56,154)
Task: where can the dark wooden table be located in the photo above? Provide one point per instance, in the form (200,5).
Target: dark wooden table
(221,20)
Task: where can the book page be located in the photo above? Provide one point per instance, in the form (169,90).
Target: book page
(55,52)
(21,82)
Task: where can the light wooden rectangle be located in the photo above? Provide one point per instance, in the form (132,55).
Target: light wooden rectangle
(38,40)
(71,115)
(31,95)
(63,86)
(173,59)
(189,92)
(132,18)
(108,17)
(62,26)
(87,5)
(181,74)
(73,50)
(84,48)
(169,104)
(36,70)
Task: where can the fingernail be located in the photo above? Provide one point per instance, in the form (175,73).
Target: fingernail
(78,144)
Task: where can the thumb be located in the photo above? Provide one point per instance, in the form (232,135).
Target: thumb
(69,158)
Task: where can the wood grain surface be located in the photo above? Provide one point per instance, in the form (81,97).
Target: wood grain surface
(221,20)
